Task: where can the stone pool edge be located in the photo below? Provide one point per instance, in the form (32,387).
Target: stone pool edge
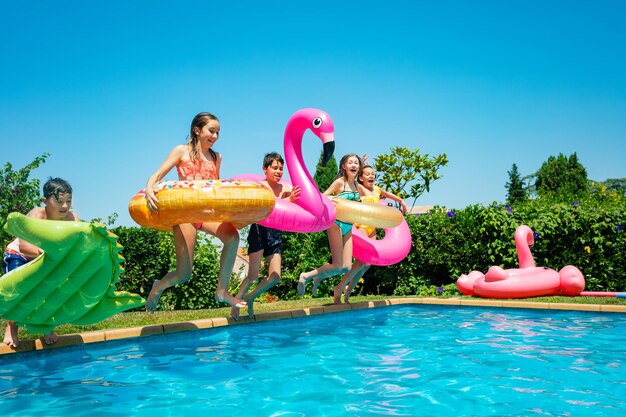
(155,329)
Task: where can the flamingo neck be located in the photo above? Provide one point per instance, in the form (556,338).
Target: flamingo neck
(310,197)
(523,240)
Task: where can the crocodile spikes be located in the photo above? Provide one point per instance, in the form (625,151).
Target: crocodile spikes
(72,282)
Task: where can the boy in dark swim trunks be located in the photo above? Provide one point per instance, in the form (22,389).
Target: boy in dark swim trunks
(264,242)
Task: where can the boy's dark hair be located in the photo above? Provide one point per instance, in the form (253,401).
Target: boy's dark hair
(358,176)
(271,157)
(56,186)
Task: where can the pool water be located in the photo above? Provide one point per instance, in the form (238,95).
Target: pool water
(395,361)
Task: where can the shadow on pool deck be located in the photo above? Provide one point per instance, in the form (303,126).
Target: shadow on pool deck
(156,329)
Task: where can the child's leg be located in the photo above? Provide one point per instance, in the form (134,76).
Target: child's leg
(229,236)
(254,265)
(337,266)
(347,263)
(355,280)
(273,277)
(185,243)
(347,278)
(9,263)
(356,272)
(51,338)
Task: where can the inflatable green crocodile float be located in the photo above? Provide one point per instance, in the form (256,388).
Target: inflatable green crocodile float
(73,281)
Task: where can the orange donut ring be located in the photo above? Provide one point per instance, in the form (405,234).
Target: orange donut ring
(212,201)
(371,214)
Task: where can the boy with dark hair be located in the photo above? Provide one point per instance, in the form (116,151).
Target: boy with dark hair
(264,242)
(57,199)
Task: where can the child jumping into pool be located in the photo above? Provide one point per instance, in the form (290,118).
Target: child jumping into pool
(195,160)
(265,242)
(371,194)
(57,200)
(340,233)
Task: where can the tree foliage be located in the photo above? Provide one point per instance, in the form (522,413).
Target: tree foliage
(615,184)
(325,175)
(515,187)
(403,167)
(562,177)
(18,192)
(150,254)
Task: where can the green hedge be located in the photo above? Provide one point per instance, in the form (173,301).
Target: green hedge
(150,255)
(447,243)
(586,234)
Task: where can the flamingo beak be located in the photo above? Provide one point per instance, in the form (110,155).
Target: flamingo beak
(329,148)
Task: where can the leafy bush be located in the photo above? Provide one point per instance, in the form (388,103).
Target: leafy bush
(18,193)
(150,254)
(447,243)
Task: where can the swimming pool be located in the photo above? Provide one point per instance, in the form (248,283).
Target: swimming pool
(401,361)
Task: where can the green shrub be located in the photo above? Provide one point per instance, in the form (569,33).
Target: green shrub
(150,254)
(588,234)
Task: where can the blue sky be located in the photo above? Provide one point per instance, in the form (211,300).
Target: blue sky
(109,88)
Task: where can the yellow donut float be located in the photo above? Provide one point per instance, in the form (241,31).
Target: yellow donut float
(213,201)
(371,214)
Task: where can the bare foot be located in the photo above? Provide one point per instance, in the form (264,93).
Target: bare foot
(346,295)
(301,285)
(153,298)
(225,297)
(10,335)
(250,307)
(337,295)
(51,338)
(316,282)
(234,312)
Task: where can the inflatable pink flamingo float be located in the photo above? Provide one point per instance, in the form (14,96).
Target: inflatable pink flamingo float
(526,281)
(391,249)
(313,212)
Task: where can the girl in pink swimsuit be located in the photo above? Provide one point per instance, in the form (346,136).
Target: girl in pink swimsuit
(195,161)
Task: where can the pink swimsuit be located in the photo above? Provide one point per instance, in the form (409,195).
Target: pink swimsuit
(199,170)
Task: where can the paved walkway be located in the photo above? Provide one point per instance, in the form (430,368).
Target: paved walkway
(155,329)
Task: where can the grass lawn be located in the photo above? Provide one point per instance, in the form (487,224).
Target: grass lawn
(141,318)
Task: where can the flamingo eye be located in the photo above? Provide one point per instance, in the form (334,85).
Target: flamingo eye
(317,122)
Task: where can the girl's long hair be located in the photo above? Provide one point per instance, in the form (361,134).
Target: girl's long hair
(360,174)
(195,151)
(342,172)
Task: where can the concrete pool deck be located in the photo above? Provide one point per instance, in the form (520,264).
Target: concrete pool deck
(156,329)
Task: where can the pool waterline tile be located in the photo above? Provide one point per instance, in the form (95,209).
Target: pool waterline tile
(156,329)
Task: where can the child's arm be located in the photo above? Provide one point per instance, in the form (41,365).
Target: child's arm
(395,198)
(169,163)
(362,190)
(292,195)
(336,186)
(28,249)
(218,163)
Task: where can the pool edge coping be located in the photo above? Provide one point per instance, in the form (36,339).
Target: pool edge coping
(156,329)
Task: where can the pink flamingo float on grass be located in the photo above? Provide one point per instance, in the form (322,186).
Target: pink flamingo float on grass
(313,211)
(526,281)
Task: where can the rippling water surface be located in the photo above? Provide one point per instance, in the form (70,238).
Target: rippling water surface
(395,361)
